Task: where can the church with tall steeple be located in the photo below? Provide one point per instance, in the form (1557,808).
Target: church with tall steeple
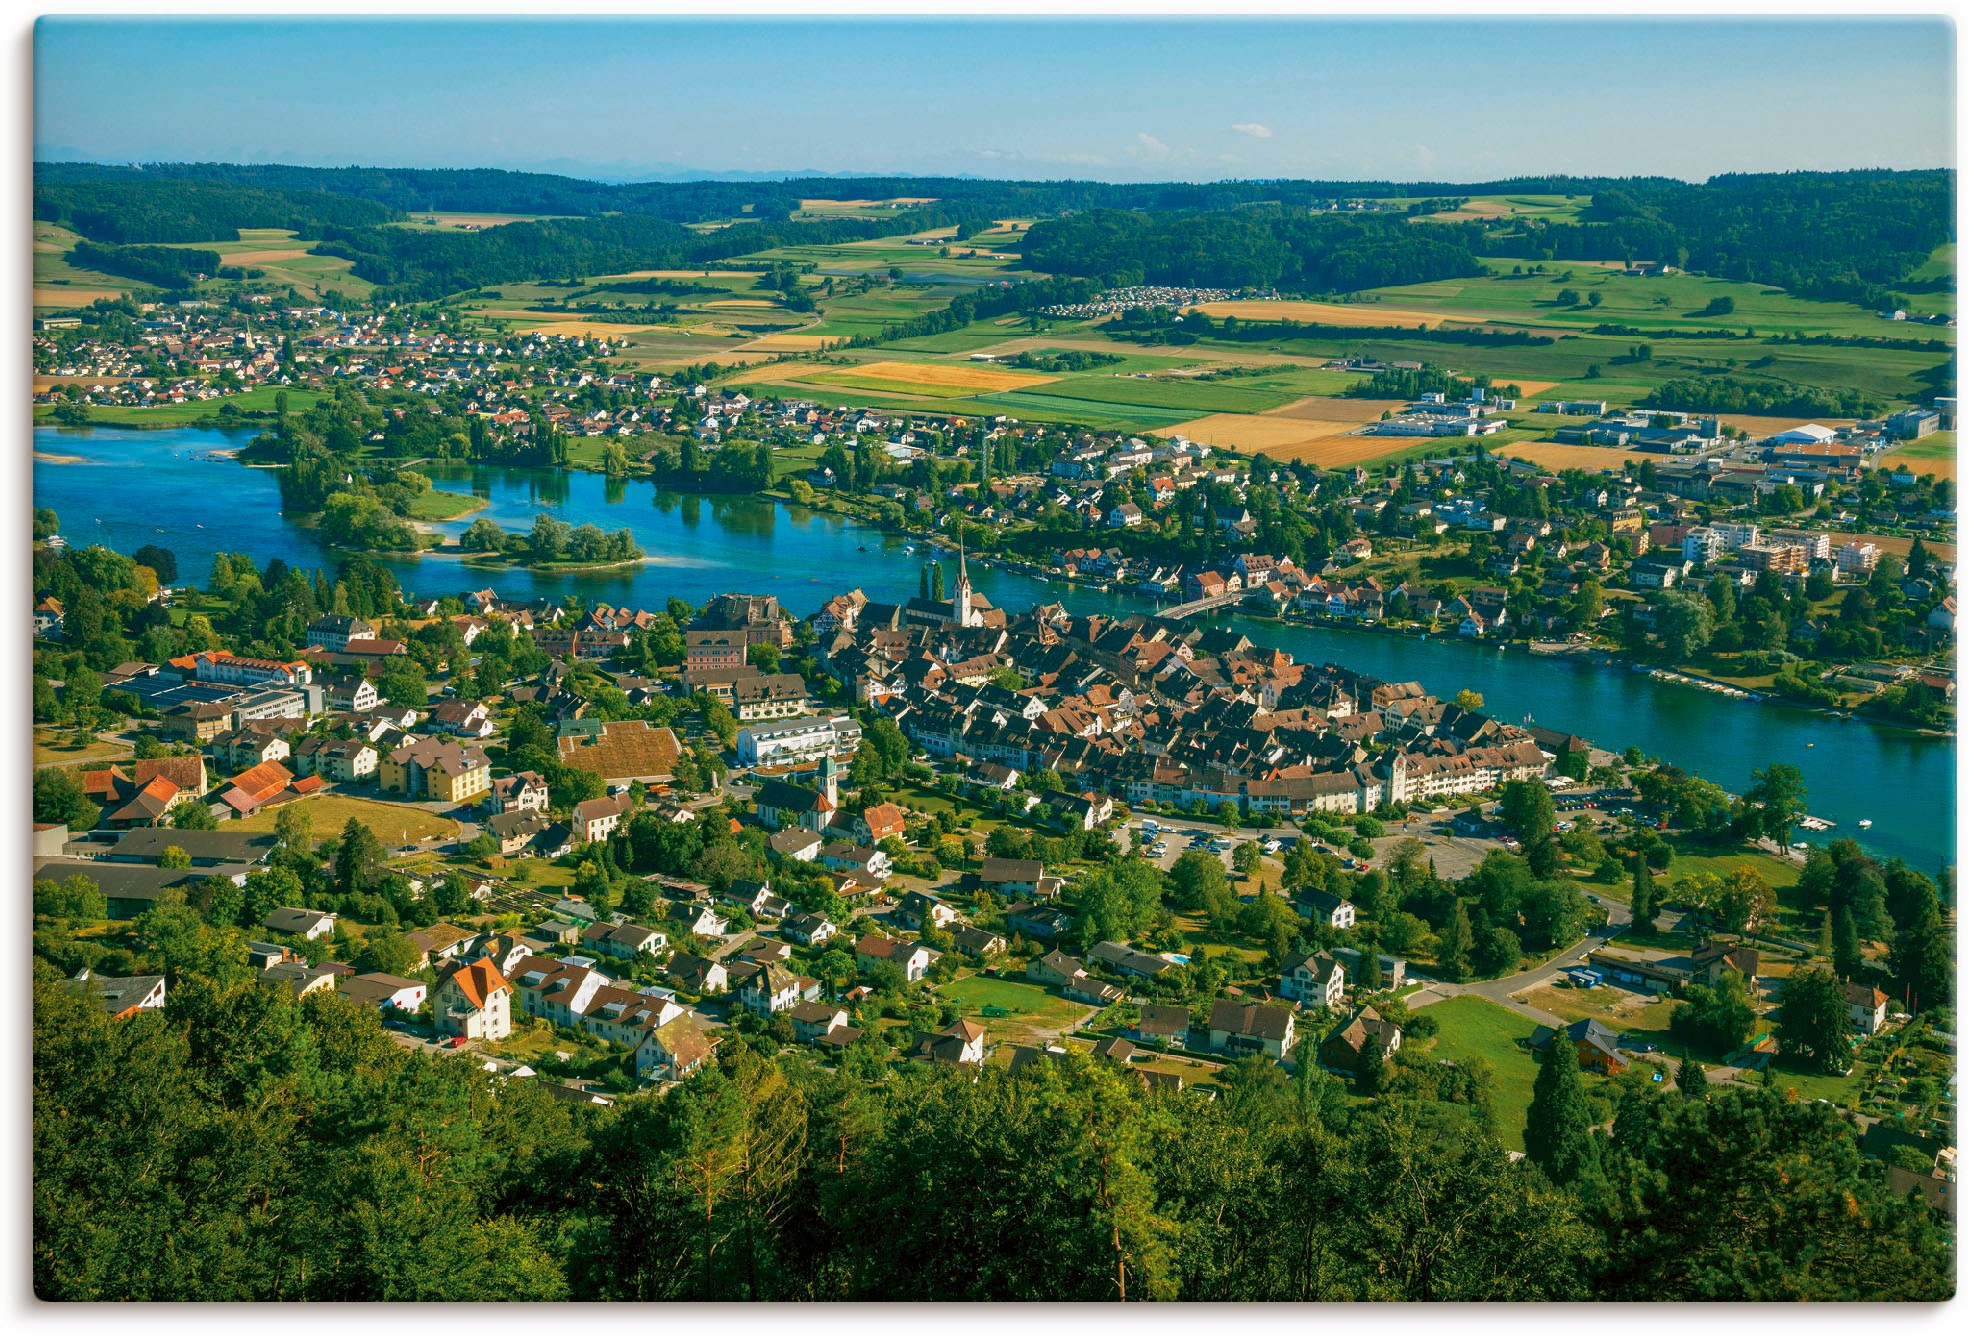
(963,613)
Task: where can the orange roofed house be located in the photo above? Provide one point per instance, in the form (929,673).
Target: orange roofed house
(474,1001)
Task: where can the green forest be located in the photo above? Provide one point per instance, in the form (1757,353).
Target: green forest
(240,1145)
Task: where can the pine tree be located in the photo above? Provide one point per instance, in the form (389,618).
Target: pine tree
(1921,960)
(1558,1119)
(1691,1078)
(1455,947)
(1844,949)
(1644,901)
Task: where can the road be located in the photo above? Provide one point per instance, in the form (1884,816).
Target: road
(1501,990)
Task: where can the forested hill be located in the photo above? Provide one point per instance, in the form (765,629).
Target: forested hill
(1814,233)
(1853,236)
(421,266)
(137,210)
(1248,248)
(242,1145)
(485,190)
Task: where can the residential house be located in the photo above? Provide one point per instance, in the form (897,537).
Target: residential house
(1250,1027)
(474,1001)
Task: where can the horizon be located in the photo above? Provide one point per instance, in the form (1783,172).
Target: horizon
(1157,100)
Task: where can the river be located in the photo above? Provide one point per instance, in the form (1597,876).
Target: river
(130,487)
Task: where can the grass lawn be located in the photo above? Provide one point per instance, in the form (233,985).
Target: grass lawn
(1773,871)
(439,504)
(48,750)
(392,823)
(1843,1090)
(1473,1027)
(1037,1013)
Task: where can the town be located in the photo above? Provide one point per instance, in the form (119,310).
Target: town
(1277,662)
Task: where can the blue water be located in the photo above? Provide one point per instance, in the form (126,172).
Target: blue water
(137,487)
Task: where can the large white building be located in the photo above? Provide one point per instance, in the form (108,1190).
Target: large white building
(798,741)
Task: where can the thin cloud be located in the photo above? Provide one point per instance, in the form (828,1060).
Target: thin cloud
(1255,129)
(1151,146)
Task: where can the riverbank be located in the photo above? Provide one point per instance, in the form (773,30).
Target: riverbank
(153,490)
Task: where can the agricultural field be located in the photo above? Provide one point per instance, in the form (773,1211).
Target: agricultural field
(1318,313)
(933,377)
(1555,455)
(1036,1014)
(394,824)
(465,222)
(59,285)
(1552,208)
(1935,454)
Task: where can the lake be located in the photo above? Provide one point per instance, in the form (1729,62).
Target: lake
(135,487)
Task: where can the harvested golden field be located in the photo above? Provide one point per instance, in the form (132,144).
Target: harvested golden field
(1256,431)
(947,375)
(1528,388)
(1328,408)
(246,259)
(1897,544)
(68,296)
(1321,313)
(1557,455)
(790,343)
(554,322)
(43,384)
(813,204)
(677,273)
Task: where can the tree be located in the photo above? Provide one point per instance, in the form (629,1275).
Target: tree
(193,815)
(174,857)
(1455,945)
(1812,1019)
(1645,899)
(1716,1017)
(359,858)
(1844,948)
(1558,1138)
(1469,700)
(1685,623)
(295,828)
(1922,960)
(1528,809)
(1691,1078)
(59,800)
(1781,797)
(388,953)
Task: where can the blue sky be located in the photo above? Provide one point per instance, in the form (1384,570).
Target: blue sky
(1415,99)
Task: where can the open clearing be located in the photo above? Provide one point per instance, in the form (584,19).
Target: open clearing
(1559,455)
(393,824)
(1320,313)
(1472,1027)
(749,303)
(1037,1013)
(676,273)
(945,376)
